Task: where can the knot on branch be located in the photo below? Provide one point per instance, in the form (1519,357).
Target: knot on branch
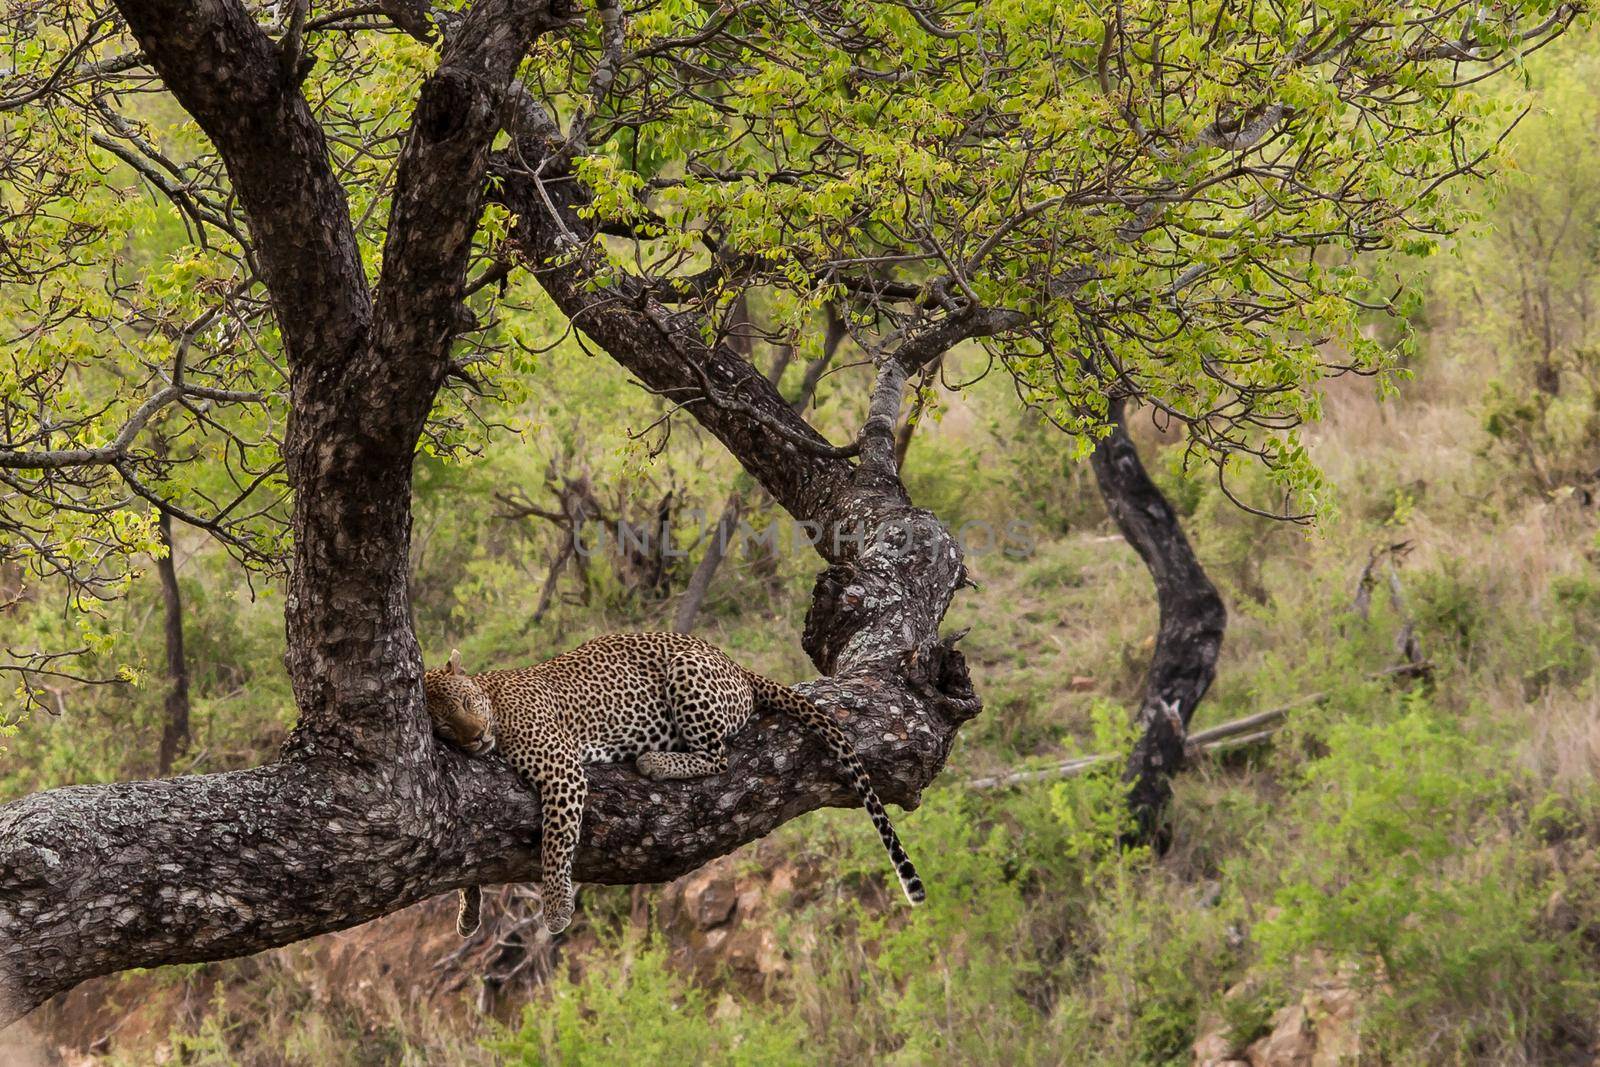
(844,604)
(957,700)
(449,103)
(837,613)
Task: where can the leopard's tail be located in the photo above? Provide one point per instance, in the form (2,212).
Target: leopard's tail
(783,699)
(469,913)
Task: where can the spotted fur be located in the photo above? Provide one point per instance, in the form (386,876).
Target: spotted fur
(667,701)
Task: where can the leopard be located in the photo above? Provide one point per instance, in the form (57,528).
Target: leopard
(667,701)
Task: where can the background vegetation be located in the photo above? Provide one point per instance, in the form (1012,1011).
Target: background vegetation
(1424,843)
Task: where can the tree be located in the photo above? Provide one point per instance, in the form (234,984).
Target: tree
(1188,635)
(1149,202)
(175,730)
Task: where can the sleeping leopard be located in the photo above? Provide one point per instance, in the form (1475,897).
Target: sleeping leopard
(667,701)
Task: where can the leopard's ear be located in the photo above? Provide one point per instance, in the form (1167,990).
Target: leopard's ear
(454,666)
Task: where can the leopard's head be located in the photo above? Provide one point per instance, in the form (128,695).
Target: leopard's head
(461,712)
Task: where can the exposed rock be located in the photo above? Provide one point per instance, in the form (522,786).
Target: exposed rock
(1323,1029)
(1292,1042)
(1334,1012)
(1215,1050)
(709,896)
(719,918)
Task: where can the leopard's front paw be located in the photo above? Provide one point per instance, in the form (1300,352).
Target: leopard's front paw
(653,765)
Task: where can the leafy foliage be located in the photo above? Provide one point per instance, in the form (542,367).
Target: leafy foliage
(636,1010)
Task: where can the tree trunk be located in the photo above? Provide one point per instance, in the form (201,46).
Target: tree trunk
(175,728)
(1192,623)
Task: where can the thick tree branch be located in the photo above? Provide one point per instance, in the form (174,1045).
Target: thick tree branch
(226,73)
(436,204)
(101,878)
(665,349)
(929,341)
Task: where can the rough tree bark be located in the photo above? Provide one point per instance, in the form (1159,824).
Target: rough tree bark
(1190,633)
(365,813)
(175,724)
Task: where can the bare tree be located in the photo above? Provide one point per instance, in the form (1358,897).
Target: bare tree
(175,724)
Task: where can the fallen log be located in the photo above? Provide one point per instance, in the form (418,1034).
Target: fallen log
(1236,733)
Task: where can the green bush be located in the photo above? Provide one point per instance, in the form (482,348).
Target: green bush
(1415,875)
(630,1008)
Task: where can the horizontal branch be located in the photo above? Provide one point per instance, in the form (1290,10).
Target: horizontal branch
(95,879)
(932,340)
(117,450)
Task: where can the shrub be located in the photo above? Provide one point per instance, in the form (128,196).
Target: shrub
(630,1008)
(1416,874)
